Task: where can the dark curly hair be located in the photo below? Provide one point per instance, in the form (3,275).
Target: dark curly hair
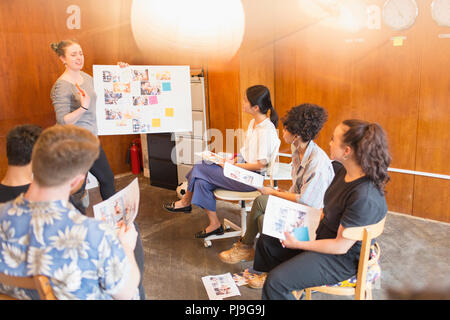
(369,143)
(20,141)
(305,120)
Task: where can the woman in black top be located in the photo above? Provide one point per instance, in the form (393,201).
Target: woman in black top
(354,198)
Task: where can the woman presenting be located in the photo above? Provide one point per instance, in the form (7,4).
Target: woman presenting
(74,99)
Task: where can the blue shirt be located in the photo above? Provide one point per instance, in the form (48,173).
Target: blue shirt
(81,256)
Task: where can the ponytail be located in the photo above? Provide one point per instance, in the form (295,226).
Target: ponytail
(259,95)
(274,116)
(369,143)
(60,47)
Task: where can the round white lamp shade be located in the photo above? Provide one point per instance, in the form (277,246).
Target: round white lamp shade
(193,29)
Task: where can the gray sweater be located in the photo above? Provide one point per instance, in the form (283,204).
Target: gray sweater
(65,98)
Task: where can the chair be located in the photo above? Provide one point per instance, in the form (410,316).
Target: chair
(241,197)
(369,270)
(39,283)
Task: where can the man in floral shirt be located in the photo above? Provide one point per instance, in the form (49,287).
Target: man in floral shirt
(42,233)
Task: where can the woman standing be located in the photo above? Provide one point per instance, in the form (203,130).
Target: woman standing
(354,198)
(259,145)
(74,100)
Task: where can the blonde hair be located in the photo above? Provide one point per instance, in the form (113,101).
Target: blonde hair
(60,47)
(62,152)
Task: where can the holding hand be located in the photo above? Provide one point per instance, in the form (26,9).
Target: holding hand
(291,242)
(127,235)
(267,190)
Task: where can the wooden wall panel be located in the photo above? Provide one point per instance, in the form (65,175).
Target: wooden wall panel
(400,192)
(363,75)
(431,195)
(29,67)
(224,99)
(431,198)
(285,82)
(256,67)
(323,76)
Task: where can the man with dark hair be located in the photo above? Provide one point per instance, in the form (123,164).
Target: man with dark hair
(19,146)
(20,141)
(312,173)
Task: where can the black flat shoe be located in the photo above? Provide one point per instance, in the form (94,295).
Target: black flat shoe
(171,208)
(203,234)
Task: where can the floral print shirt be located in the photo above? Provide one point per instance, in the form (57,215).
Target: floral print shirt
(81,256)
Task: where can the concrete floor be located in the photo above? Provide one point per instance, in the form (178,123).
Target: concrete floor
(415,252)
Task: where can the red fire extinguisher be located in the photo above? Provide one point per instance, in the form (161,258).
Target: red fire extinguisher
(134,156)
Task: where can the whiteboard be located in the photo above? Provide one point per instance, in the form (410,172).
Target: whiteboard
(142,99)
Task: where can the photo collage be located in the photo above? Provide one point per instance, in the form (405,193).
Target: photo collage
(282,216)
(121,207)
(132,98)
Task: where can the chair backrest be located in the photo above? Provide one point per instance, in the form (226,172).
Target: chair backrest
(271,166)
(39,283)
(364,234)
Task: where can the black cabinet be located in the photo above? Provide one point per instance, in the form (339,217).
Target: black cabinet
(163,171)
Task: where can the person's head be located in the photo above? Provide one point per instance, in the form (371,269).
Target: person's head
(257,99)
(366,144)
(303,122)
(20,141)
(63,154)
(70,53)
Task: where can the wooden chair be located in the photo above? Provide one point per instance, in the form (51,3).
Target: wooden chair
(242,197)
(39,283)
(368,269)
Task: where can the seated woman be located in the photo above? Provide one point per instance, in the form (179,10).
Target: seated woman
(312,173)
(256,152)
(354,198)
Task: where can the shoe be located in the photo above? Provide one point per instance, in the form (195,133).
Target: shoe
(171,208)
(257,282)
(239,252)
(203,234)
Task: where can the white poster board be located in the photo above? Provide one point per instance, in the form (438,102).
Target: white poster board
(142,99)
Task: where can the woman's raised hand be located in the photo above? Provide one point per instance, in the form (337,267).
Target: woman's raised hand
(84,97)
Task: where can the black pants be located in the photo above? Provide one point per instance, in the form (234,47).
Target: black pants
(102,171)
(297,269)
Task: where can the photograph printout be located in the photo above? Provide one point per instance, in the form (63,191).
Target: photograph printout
(220,286)
(287,216)
(121,207)
(244,176)
(211,157)
(142,99)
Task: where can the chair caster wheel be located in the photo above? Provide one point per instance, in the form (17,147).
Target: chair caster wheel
(207,243)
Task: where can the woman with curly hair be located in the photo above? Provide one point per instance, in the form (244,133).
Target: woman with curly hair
(355,198)
(312,173)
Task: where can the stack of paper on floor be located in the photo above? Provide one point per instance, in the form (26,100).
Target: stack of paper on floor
(123,206)
(287,216)
(244,176)
(220,286)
